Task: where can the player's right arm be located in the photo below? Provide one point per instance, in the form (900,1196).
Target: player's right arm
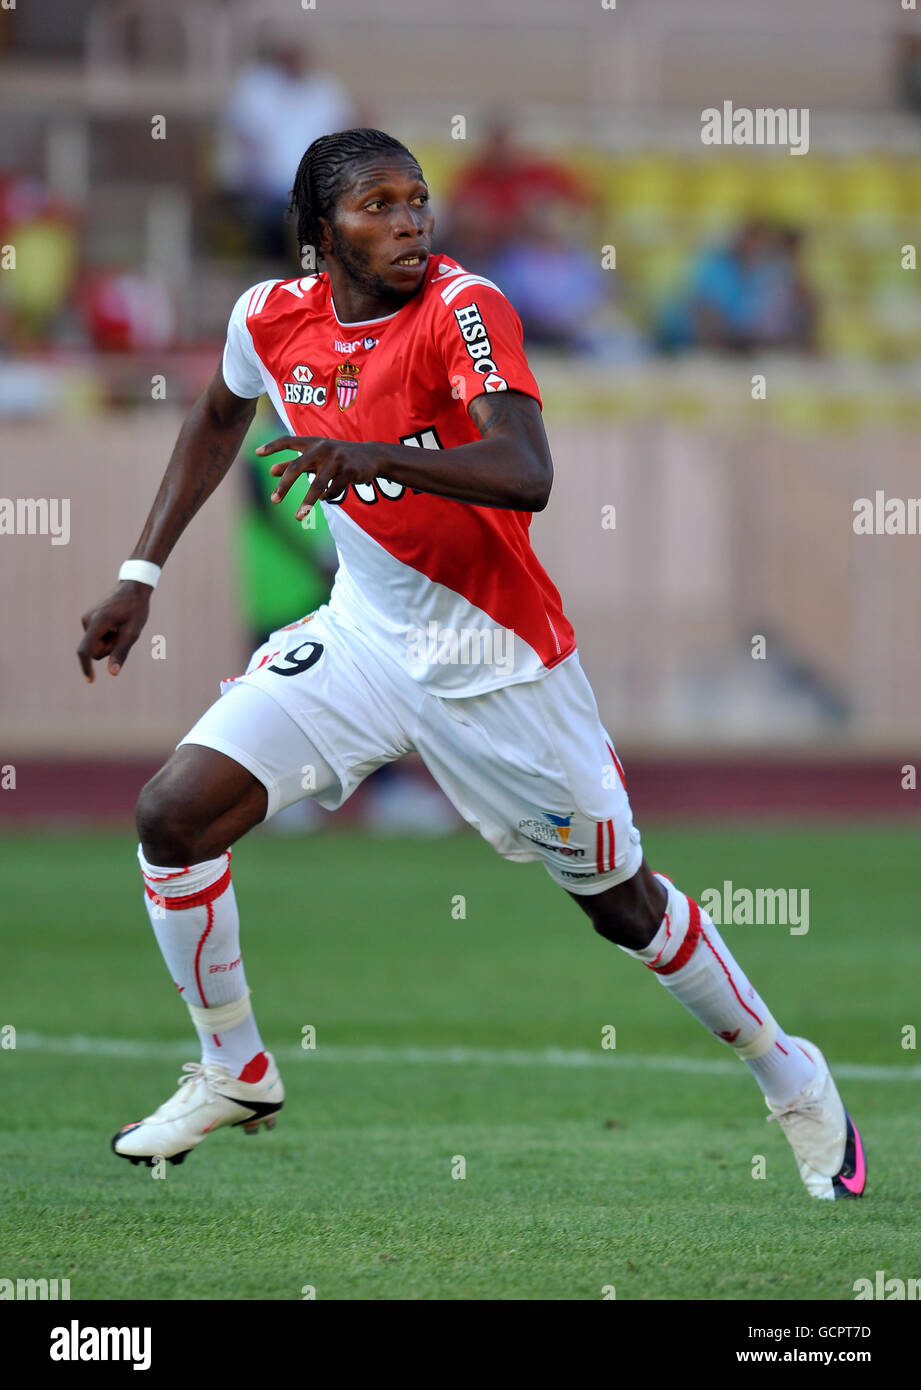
(208,443)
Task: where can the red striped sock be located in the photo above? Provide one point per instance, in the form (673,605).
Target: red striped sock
(193,912)
(693,962)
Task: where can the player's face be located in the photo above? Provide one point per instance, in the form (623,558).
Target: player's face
(382,230)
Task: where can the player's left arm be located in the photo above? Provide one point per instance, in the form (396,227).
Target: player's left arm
(509,466)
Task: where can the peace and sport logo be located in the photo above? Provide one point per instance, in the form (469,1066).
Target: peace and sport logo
(552,832)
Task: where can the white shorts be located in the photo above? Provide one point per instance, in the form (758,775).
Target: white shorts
(530,766)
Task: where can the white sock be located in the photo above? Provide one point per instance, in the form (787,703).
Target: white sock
(690,958)
(194,915)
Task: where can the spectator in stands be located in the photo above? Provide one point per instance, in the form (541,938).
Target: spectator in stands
(278,105)
(908,66)
(791,310)
(44,234)
(750,293)
(126,310)
(497,192)
(564,298)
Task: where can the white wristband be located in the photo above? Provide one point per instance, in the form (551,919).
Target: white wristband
(143,571)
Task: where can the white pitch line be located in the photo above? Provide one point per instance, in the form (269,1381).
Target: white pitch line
(132,1048)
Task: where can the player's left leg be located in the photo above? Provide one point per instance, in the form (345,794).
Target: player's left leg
(534,770)
(658,925)
(661,927)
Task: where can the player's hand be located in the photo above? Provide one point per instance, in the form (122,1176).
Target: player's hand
(335,464)
(113,626)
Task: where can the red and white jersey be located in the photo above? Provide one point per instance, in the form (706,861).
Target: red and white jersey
(451,589)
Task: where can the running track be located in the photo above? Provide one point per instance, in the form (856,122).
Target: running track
(93,790)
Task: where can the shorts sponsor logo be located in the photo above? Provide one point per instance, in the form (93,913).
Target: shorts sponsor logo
(557,849)
(300,389)
(479,348)
(555,826)
(561,822)
(571,873)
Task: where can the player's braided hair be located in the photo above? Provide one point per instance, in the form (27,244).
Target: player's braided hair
(324,171)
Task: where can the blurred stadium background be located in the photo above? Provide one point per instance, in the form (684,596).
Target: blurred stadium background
(733,515)
(734,519)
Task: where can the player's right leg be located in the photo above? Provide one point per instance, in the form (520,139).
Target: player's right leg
(244,756)
(309,718)
(200,802)
(197,805)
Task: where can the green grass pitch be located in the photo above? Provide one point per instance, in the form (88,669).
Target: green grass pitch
(477,1038)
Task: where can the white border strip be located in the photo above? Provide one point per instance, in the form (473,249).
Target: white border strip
(131,1049)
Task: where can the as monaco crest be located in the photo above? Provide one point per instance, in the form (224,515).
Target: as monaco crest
(346,384)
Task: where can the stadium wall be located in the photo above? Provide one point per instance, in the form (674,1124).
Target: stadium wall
(721,534)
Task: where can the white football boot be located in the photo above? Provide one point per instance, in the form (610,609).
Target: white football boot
(822,1135)
(208,1098)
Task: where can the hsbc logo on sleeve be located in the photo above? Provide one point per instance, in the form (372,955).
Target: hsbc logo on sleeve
(479,348)
(300,390)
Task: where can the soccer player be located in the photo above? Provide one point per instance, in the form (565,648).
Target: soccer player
(410,405)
